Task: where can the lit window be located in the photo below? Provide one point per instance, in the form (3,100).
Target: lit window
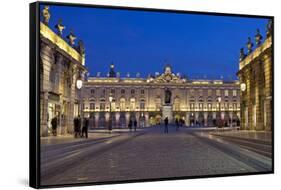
(226,93)
(234,92)
(142,104)
(218,92)
(209,92)
(92,106)
(132,104)
(122,104)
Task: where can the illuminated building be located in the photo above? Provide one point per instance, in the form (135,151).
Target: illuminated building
(149,100)
(255,75)
(61,64)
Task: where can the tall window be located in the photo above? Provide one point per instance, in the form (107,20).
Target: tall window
(218,92)
(92,91)
(200,92)
(234,93)
(234,106)
(192,106)
(209,106)
(192,92)
(142,91)
(200,106)
(142,104)
(122,104)
(112,91)
(102,104)
(122,91)
(92,106)
(209,92)
(132,104)
(133,91)
(226,93)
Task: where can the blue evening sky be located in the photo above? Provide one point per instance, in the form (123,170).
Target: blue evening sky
(196,45)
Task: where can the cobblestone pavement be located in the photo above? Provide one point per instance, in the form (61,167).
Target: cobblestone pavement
(147,154)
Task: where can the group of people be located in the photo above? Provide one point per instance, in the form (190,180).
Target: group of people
(77,127)
(178,122)
(133,124)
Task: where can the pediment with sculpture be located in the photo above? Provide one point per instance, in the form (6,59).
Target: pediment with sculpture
(168,77)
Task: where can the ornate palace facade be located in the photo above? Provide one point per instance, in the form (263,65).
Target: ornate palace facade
(255,75)
(61,65)
(115,100)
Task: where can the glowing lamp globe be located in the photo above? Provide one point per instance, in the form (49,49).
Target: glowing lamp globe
(79,83)
(243,87)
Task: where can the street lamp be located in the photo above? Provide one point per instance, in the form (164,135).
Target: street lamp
(219,100)
(243,87)
(79,85)
(110,118)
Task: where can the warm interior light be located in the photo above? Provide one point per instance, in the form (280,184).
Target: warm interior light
(243,87)
(79,83)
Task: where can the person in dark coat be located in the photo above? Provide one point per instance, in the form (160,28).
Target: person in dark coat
(77,122)
(85,128)
(177,123)
(54,124)
(166,121)
(135,125)
(130,125)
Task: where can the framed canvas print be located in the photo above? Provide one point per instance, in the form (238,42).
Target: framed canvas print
(120,94)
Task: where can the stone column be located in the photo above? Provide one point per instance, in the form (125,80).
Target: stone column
(187,121)
(44,114)
(147,124)
(205,118)
(96,120)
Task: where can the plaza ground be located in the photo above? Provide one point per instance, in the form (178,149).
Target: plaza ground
(149,154)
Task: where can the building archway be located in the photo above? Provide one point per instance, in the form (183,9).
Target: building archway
(122,120)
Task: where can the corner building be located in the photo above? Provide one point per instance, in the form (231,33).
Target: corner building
(61,64)
(149,100)
(255,75)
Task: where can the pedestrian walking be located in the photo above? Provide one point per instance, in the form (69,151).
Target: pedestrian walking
(54,124)
(85,128)
(135,125)
(177,124)
(130,125)
(166,121)
(77,126)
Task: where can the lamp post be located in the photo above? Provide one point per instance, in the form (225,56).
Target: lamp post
(110,118)
(243,88)
(219,100)
(79,85)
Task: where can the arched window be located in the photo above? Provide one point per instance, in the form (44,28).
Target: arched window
(132,104)
(142,104)
(176,104)
(102,104)
(122,104)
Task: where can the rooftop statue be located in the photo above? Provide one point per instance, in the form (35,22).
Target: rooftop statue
(269,28)
(258,37)
(71,37)
(46,15)
(60,27)
(249,45)
(242,54)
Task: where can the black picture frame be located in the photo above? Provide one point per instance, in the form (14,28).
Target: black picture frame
(34,91)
